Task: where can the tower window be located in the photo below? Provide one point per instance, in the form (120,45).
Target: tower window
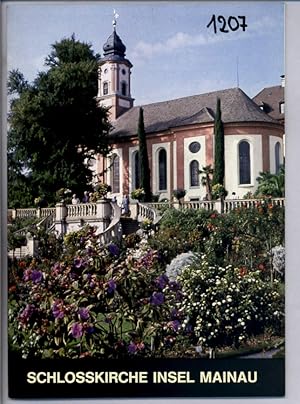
(162,170)
(123,71)
(277,157)
(105,88)
(194,173)
(124,88)
(244,162)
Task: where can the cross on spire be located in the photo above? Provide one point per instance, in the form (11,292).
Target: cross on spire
(114,22)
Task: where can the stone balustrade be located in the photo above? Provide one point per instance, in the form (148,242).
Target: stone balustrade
(221,207)
(24,213)
(148,210)
(44,212)
(208,205)
(114,230)
(159,205)
(82,210)
(145,211)
(29,213)
(230,204)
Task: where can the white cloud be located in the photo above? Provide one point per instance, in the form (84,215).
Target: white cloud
(145,50)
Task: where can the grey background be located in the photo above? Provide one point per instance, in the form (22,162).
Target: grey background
(292,54)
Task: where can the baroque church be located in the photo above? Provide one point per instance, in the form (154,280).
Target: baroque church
(180,134)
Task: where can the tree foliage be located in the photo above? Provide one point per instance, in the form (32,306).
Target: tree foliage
(143,158)
(56,126)
(271,184)
(219,165)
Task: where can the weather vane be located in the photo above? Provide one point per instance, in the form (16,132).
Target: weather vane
(116,16)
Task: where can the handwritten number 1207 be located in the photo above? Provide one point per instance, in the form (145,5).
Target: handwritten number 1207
(233,23)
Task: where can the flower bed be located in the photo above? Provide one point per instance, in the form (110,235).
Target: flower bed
(79,299)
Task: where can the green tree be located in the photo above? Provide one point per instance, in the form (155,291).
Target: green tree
(271,184)
(56,126)
(206,180)
(219,163)
(143,158)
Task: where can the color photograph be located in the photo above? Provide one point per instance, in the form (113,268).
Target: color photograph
(146,197)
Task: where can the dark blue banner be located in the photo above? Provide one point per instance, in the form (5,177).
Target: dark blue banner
(146,378)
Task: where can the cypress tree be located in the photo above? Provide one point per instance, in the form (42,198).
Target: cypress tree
(143,158)
(219,164)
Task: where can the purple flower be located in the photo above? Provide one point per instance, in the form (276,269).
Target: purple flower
(79,262)
(77,330)
(174,314)
(57,310)
(90,330)
(174,285)
(179,295)
(114,250)
(157,298)
(132,348)
(84,313)
(89,250)
(27,313)
(175,324)
(162,281)
(27,275)
(57,267)
(111,286)
(146,260)
(36,276)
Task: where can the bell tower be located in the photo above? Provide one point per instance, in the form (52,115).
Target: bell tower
(114,89)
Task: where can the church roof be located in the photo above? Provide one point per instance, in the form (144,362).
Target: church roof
(270,99)
(236,106)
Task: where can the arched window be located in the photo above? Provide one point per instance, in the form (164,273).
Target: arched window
(115,174)
(124,88)
(277,157)
(136,170)
(244,162)
(105,88)
(194,173)
(162,170)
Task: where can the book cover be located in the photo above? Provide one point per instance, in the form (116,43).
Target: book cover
(146,200)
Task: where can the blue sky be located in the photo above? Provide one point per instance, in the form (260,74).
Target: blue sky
(172,52)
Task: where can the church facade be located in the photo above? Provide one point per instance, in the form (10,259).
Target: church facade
(180,135)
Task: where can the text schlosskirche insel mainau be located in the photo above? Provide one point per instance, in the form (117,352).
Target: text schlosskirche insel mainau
(141,377)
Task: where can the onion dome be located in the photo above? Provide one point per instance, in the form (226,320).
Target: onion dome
(114,45)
